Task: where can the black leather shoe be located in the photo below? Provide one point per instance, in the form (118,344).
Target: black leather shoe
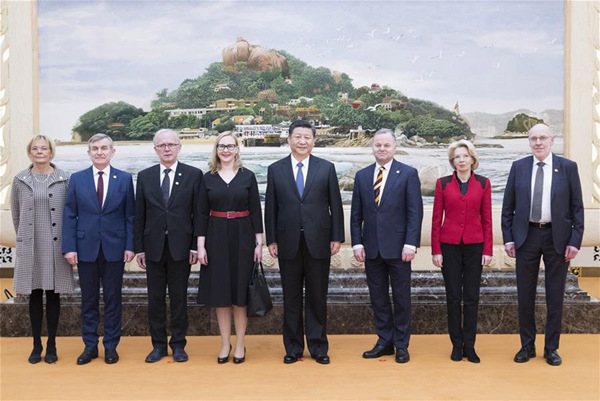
(237,360)
(224,359)
(378,351)
(290,359)
(179,355)
(35,356)
(156,355)
(524,354)
(471,355)
(322,359)
(457,354)
(552,357)
(402,355)
(87,355)
(50,357)
(111,356)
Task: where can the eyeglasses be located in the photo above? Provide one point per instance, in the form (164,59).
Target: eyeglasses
(229,147)
(461,157)
(164,146)
(37,149)
(534,139)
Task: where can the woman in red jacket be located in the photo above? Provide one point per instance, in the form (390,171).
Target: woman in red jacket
(461,242)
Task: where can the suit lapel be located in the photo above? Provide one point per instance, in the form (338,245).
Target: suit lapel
(393,174)
(367,184)
(113,178)
(527,178)
(556,169)
(286,170)
(154,183)
(90,186)
(179,177)
(313,168)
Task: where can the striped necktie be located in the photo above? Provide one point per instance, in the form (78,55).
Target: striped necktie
(377,185)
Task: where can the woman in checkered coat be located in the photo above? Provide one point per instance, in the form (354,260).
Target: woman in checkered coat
(37,202)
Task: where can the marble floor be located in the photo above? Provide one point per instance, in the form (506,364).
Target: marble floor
(430,375)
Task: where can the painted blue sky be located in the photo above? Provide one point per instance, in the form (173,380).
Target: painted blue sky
(490,56)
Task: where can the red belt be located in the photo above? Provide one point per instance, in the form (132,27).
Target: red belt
(230,215)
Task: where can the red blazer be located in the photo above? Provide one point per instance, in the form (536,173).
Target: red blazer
(467,217)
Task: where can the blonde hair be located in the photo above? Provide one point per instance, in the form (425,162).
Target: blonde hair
(214,164)
(463,143)
(43,138)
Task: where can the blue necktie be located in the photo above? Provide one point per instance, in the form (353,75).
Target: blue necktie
(165,186)
(300,180)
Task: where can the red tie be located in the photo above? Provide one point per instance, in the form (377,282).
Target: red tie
(100,188)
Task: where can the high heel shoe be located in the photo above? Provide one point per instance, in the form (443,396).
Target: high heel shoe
(237,360)
(225,359)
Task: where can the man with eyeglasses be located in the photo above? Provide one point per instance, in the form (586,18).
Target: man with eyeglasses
(385,222)
(542,217)
(166,199)
(98,238)
(304,223)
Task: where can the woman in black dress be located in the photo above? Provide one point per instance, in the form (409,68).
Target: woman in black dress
(229,234)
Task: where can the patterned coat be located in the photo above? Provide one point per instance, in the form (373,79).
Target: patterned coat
(22,209)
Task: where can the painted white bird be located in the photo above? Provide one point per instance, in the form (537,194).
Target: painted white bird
(414,59)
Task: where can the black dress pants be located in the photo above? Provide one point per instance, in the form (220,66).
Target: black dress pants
(539,244)
(462,278)
(305,271)
(174,275)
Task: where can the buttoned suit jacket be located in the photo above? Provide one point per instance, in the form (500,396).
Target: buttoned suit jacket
(318,212)
(86,226)
(153,219)
(384,229)
(567,211)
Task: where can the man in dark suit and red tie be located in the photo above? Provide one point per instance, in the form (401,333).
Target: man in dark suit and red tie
(304,223)
(386,217)
(542,217)
(98,238)
(165,206)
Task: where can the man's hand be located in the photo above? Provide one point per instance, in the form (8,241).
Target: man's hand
(128,256)
(71,258)
(407,254)
(510,249)
(570,253)
(141,260)
(334,246)
(273,249)
(193,257)
(437,260)
(359,254)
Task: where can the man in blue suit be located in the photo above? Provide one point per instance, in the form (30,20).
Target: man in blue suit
(386,217)
(542,216)
(98,238)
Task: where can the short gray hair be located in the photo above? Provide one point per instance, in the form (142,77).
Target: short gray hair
(99,137)
(541,128)
(383,131)
(165,131)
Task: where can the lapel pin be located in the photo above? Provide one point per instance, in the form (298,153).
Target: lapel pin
(179,174)
(176,183)
(556,170)
(114,176)
(397,171)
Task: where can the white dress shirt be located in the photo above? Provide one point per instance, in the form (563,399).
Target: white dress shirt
(105,180)
(546,208)
(304,167)
(171,175)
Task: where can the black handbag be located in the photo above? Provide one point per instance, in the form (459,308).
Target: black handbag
(259,299)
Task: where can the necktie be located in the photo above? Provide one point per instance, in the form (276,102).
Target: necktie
(377,185)
(300,180)
(538,190)
(166,184)
(100,190)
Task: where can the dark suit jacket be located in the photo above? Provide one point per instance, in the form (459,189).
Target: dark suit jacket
(465,217)
(153,219)
(384,229)
(319,212)
(566,203)
(86,226)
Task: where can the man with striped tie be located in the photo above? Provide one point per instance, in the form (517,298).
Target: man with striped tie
(385,224)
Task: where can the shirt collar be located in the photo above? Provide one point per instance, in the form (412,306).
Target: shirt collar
(173,167)
(106,170)
(387,165)
(547,160)
(295,162)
